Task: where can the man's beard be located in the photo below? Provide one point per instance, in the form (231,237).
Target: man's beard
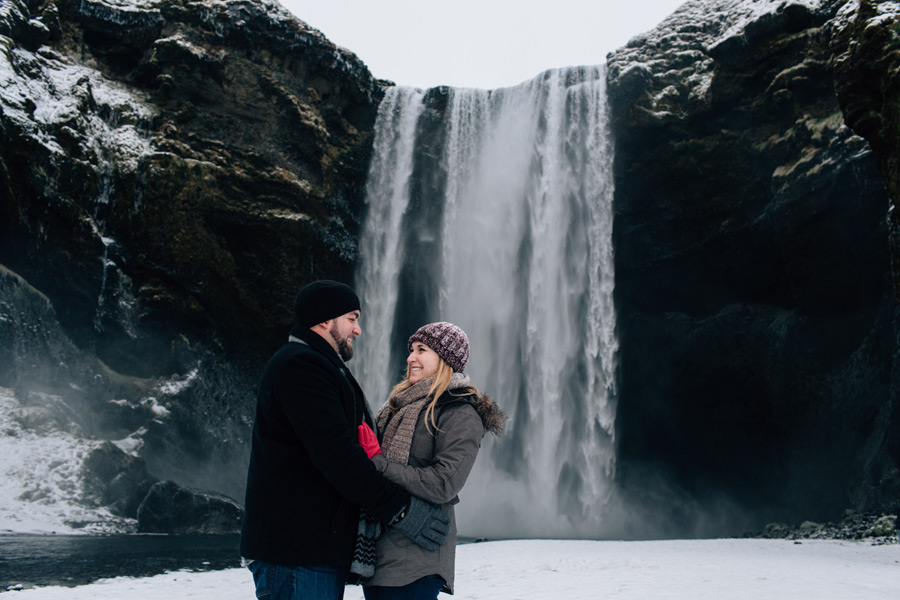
(344,347)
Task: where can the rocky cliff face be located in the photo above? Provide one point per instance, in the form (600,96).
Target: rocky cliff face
(866,44)
(171,171)
(758,325)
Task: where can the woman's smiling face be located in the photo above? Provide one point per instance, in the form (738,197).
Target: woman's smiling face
(423,362)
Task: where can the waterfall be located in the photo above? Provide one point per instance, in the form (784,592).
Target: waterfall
(492,210)
(387,194)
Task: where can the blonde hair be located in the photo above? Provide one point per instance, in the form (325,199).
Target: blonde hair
(437,389)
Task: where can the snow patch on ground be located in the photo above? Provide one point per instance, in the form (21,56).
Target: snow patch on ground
(734,569)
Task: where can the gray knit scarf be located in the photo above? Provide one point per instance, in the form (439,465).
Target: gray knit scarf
(399,427)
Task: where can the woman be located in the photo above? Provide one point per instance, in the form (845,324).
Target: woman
(430,431)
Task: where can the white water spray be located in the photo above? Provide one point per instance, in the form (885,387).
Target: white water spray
(387,194)
(525,268)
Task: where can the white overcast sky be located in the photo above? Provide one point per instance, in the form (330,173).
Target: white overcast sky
(478,43)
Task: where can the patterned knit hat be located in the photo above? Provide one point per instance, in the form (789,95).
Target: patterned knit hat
(447,340)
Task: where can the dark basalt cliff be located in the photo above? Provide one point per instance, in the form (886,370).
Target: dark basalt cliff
(867,67)
(171,171)
(759,362)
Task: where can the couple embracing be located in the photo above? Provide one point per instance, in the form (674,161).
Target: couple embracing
(335,495)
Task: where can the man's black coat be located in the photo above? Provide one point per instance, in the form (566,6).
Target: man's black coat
(308,475)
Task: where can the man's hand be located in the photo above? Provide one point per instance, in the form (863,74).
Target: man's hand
(368,440)
(423,523)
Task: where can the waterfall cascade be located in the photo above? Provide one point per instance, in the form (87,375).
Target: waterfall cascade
(492,210)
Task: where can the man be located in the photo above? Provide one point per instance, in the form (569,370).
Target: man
(308,475)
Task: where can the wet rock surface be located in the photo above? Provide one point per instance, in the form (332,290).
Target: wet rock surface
(174,509)
(866,44)
(757,321)
(117,480)
(880,528)
(180,168)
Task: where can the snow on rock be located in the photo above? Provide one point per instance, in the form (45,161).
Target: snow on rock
(123,12)
(171,387)
(49,97)
(41,473)
(881,14)
(675,60)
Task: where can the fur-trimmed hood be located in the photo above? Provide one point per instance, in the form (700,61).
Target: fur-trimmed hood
(491,415)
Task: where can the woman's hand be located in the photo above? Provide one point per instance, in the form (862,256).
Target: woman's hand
(368,440)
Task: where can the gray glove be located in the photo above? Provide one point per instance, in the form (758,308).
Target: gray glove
(423,523)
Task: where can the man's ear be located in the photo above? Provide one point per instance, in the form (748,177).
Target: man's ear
(323,326)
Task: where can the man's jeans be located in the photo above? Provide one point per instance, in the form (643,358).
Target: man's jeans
(277,582)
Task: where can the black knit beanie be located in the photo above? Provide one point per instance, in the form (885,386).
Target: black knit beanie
(449,342)
(323,300)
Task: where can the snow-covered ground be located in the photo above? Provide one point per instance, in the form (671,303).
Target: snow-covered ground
(734,569)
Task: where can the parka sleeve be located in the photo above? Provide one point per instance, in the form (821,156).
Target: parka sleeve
(309,396)
(457,442)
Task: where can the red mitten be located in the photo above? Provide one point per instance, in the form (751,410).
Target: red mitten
(368,440)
